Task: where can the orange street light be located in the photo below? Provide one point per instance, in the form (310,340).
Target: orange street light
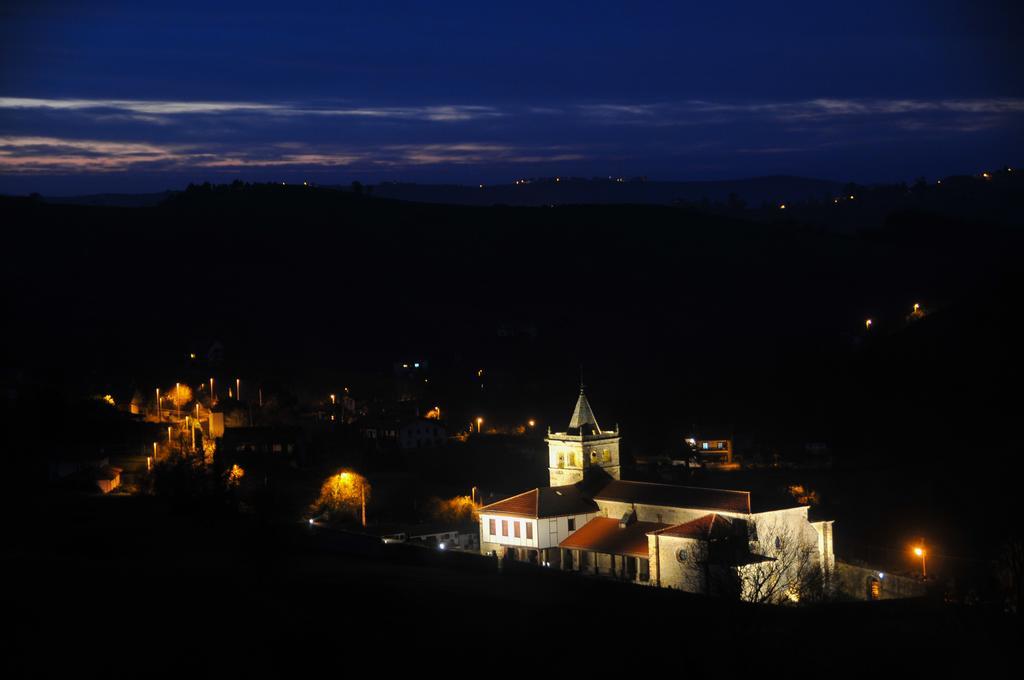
(532,422)
(334,399)
(479,422)
(867,324)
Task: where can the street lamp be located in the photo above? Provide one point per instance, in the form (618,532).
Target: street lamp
(479,422)
(867,324)
(919,551)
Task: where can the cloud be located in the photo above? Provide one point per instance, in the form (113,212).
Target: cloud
(161,111)
(55,155)
(691,111)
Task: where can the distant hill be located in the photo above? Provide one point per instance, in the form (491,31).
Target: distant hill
(114,200)
(564,191)
(556,191)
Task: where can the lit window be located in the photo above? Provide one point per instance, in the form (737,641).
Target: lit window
(504,527)
(515,529)
(529,530)
(491,528)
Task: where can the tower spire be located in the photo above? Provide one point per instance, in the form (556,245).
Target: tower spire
(583,415)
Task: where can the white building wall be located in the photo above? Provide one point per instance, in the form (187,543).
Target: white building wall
(547,532)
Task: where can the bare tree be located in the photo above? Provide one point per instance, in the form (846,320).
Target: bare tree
(783,568)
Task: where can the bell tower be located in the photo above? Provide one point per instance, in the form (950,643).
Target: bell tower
(583,448)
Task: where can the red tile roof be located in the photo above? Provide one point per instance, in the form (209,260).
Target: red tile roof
(524,504)
(604,535)
(669,495)
(705,528)
(551,501)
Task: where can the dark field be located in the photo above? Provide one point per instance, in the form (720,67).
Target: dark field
(132,588)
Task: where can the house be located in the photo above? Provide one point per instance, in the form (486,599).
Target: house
(441,536)
(422,433)
(712,541)
(107,478)
(275,441)
(715,452)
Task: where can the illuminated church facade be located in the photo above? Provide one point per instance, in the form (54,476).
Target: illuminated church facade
(711,541)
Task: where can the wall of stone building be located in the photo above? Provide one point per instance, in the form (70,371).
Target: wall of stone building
(669,571)
(791,525)
(655,513)
(568,459)
(853,582)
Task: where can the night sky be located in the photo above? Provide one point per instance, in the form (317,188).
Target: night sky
(118,97)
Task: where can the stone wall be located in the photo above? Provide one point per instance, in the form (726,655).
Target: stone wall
(854,582)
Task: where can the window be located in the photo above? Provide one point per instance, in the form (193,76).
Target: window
(778,543)
(682,555)
(504,527)
(606,455)
(491,528)
(572,460)
(515,529)
(572,523)
(529,530)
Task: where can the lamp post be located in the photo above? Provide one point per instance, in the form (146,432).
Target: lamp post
(479,422)
(923,554)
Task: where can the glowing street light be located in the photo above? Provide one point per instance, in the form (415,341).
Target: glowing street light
(238,389)
(479,422)
(334,399)
(867,324)
(532,422)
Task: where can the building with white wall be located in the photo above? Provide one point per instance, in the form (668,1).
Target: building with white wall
(713,541)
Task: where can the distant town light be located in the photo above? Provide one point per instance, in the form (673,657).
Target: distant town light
(532,422)
(867,323)
(782,206)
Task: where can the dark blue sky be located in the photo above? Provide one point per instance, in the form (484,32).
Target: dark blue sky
(119,97)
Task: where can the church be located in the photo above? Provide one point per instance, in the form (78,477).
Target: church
(700,540)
